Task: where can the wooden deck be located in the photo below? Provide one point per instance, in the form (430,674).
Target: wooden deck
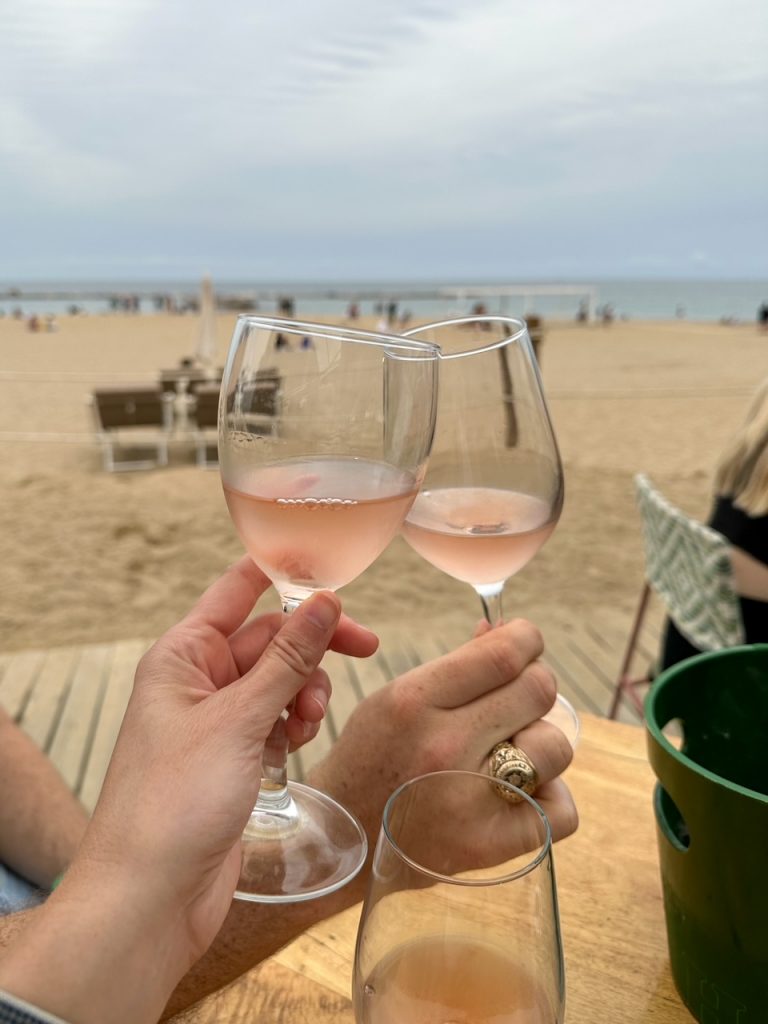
(71,699)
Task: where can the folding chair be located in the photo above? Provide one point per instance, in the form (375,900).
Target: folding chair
(689,566)
(132,417)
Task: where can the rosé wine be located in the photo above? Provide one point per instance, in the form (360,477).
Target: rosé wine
(452,981)
(479,535)
(315,524)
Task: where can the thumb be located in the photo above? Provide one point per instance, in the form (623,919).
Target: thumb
(290,658)
(482,628)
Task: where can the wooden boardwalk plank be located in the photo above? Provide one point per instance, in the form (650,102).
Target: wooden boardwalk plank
(118,686)
(70,746)
(42,710)
(19,679)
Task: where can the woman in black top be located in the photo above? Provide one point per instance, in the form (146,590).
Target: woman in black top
(740,514)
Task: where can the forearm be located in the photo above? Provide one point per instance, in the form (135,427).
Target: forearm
(41,821)
(11,926)
(99,950)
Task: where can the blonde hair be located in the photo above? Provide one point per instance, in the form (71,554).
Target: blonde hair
(742,473)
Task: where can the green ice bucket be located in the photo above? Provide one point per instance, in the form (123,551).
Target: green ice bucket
(711,805)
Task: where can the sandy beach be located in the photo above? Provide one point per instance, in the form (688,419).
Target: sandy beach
(89,556)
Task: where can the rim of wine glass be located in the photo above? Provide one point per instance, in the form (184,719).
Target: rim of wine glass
(543,853)
(521,334)
(334,333)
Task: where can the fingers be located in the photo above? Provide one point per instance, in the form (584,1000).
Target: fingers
(556,801)
(485,663)
(312,699)
(248,643)
(227,603)
(289,661)
(353,639)
(547,747)
(307,714)
(507,710)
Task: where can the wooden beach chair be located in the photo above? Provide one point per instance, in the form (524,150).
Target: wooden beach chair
(131,419)
(690,567)
(172,380)
(262,400)
(205,416)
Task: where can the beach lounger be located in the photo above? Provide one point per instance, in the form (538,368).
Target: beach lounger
(262,400)
(129,420)
(195,378)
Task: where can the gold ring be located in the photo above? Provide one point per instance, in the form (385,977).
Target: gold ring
(511,764)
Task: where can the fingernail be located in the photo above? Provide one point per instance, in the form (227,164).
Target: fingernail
(322,609)
(321,697)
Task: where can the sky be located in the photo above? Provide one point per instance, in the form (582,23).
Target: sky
(343,140)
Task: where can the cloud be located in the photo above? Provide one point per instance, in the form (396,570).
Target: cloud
(571,120)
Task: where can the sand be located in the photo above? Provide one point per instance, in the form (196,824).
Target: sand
(88,556)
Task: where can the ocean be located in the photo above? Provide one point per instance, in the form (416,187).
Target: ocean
(635,300)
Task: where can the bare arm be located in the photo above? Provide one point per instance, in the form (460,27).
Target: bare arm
(41,821)
(751,576)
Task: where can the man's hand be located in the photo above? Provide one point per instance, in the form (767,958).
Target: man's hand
(156,871)
(450,713)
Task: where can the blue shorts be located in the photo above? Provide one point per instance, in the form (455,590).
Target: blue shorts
(17,893)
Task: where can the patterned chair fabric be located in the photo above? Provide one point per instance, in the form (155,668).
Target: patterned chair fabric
(689,566)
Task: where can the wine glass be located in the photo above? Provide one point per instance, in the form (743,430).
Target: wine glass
(460,922)
(324,434)
(493,492)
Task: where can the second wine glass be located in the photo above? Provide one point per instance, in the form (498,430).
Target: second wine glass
(323,439)
(494,488)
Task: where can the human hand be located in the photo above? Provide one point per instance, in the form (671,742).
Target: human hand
(157,868)
(450,713)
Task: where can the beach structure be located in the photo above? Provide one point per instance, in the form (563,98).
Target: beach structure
(464,293)
(205,354)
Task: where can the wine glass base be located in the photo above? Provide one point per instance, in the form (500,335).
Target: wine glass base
(313,849)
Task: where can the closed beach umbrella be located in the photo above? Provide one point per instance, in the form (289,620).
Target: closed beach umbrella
(206,342)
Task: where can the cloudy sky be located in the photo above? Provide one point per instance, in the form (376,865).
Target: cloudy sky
(383,139)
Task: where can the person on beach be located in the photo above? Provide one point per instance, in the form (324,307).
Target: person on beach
(143,922)
(740,514)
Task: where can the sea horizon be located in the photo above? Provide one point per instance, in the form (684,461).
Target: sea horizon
(699,299)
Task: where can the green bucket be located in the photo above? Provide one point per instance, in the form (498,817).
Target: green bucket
(711,805)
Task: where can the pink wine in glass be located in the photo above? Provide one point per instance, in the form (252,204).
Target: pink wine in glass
(452,980)
(314,524)
(480,535)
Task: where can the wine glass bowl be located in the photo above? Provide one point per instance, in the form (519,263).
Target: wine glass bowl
(317,499)
(324,434)
(460,921)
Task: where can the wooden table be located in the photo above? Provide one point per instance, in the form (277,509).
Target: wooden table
(610,906)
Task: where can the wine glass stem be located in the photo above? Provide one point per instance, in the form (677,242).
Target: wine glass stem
(273,792)
(491,597)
